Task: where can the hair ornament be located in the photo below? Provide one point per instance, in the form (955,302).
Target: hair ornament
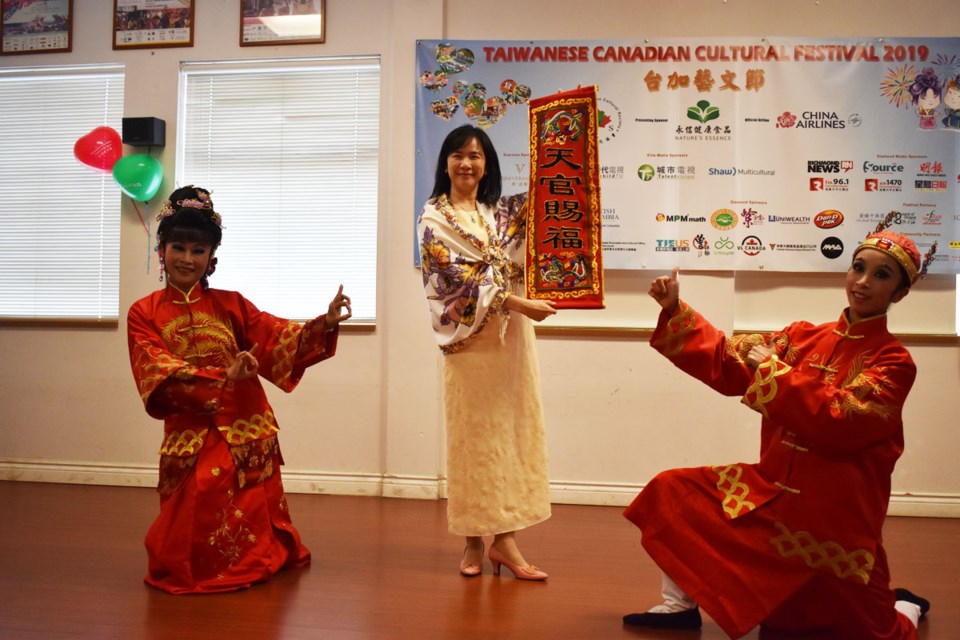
(166,210)
(202,202)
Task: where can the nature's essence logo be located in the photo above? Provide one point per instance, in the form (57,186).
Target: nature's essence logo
(703,112)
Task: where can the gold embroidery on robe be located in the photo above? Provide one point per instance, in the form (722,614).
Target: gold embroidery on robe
(256,461)
(211,339)
(156,367)
(789,353)
(285,352)
(734,492)
(678,328)
(860,385)
(231,535)
(828,556)
(173,473)
(183,443)
(738,346)
(256,427)
(764,387)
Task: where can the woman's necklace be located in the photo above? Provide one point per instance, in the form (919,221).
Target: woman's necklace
(472,213)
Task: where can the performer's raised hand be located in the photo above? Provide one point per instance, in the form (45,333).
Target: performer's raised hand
(244,366)
(760,352)
(335,315)
(666,290)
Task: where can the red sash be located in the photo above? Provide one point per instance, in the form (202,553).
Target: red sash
(564,261)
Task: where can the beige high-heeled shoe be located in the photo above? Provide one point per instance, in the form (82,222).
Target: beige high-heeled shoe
(529,572)
(471,569)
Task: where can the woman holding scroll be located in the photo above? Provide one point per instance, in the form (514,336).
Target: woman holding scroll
(471,250)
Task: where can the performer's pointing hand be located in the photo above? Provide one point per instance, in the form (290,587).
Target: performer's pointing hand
(339,309)
(244,365)
(666,290)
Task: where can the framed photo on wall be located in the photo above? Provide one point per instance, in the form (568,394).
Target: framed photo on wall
(265,22)
(41,26)
(148,24)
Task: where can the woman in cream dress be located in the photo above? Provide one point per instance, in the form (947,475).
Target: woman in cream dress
(472,244)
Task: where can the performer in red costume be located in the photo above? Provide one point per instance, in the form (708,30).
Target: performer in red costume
(197,354)
(792,543)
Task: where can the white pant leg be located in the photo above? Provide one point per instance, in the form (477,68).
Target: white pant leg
(674,598)
(912,611)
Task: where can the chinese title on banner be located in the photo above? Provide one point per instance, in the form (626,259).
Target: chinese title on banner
(564,261)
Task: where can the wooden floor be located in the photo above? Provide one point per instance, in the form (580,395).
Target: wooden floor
(72,564)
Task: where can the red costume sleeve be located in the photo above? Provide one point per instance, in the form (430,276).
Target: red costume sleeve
(698,348)
(286,348)
(837,415)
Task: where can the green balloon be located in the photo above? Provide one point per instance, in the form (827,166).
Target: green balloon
(139,176)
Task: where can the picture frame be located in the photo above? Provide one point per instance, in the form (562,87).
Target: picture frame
(150,25)
(273,22)
(41,27)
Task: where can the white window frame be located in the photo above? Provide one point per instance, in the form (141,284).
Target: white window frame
(59,219)
(299,200)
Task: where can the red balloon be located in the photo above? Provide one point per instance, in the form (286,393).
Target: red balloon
(100,149)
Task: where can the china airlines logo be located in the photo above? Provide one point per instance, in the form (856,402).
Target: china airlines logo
(786,120)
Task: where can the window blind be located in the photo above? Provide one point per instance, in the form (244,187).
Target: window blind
(59,219)
(289,152)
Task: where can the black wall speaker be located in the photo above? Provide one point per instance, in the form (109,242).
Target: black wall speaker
(144,132)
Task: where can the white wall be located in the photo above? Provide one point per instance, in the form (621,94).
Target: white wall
(368,421)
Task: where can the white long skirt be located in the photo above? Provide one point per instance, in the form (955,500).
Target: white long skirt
(496,450)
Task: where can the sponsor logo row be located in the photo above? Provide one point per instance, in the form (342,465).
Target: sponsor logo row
(877,177)
(726,219)
(830,247)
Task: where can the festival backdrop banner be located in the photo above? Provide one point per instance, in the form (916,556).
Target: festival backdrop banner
(564,261)
(778,154)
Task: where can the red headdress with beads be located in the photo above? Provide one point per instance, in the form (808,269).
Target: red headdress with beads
(900,248)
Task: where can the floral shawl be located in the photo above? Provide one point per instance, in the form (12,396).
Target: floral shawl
(466,278)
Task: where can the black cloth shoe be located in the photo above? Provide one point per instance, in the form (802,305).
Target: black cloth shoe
(689,619)
(908,596)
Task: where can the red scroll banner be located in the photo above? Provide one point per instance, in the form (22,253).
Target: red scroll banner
(564,261)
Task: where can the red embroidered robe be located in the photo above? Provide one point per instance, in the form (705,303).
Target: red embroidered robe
(223,521)
(792,542)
